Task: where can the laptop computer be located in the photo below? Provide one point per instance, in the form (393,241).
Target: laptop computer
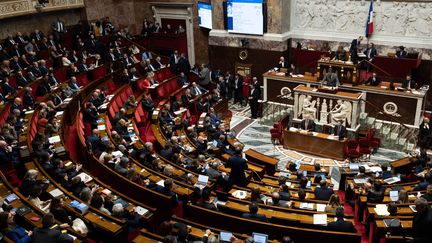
(394,196)
(354,167)
(202,181)
(225,236)
(259,238)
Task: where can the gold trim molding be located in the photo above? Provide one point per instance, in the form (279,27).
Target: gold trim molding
(14,8)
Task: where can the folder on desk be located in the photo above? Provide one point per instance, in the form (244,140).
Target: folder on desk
(56,193)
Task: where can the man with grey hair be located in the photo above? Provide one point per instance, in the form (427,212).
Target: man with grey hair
(132,219)
(422,222)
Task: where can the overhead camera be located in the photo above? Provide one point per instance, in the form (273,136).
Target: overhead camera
(42,3)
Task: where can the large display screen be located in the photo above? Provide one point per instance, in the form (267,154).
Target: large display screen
(245,17)
(205,15)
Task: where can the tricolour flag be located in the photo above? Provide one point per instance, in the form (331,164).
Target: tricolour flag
(369,24)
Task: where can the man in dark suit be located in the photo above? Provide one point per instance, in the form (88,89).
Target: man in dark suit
(59,29)
(340,224)
(339,130)
(183,64)
(400,52)
(409,83)
(173,61)
(282,63)
(21,80)
(422,222)
(331,78)
(253,213)
(196,90)
(323,192)
(205,203)
(49,233)
(354,49)
(96,143)
(254,96)
(238,89)
(307,124)
(424,135)
(90,115)
(238,166)
(370,53)
(37,35)
(373,80)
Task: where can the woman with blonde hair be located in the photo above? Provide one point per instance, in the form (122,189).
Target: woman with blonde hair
(334,202)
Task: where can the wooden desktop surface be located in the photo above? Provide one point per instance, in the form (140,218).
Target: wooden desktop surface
(319,145)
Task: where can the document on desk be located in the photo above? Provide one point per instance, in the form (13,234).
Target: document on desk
(117,154)
(239,194)
(54,139)
(320,219)
(309,206)
(381,210)
(85,177)
(320,207)
(293,129)
(140,210)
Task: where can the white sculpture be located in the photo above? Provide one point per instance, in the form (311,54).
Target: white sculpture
(341,113)
(307,106)
(393,18)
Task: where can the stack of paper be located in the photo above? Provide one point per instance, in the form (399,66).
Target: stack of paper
(56,193)
(309,206)
(320,207)
(320,219)
(381,210)
(54,139)
(117,154)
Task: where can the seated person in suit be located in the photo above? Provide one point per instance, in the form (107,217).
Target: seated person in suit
(376,194)
(282,63)
(400,52)
(307,124)
(276,201)
(340,224)
(428,194)
(339,130)
(408,83)
(331,79)
(49,232)
(205,203)
(323,192)
(253,213)
(422,222)
(373,81)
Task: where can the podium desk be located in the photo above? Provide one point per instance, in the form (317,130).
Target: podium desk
(315,144)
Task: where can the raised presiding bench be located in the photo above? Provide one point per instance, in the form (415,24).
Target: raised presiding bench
(314,143)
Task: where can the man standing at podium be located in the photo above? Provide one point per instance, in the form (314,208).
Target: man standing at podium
(354,49)
(307,124)
(331,79)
